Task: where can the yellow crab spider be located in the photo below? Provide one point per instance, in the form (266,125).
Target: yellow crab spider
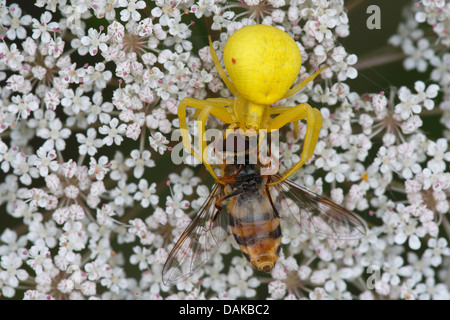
(262,64)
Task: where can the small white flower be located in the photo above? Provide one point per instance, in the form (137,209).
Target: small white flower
(16,22)
(185,182)
(39,257)
(436,249)
(51,99)
(175,205)
(97,75)
(393,270)
(99,110)
(441,72)
(88,144)
(116,31)
(114,132)
(406,162)
(277,289)
(75,101)
(46,159)
(142,257)
(205,6)
(410,231)
(24,168)
(43,27)
(99,169)
(411,125)
(97,269)
(56,48)
(106,9)
(158,142)
(55,134)
(431,290)
(409,103)
(94,41)
(336,168)
(139,161)
(147,195)
(131,9)
(318,294)
(11,273)
(343,66)
(123,193)
(417,56)
(252,2)
(23,106)
(290,154)
(145,27)
(73,239)
(115,280)
(438,150)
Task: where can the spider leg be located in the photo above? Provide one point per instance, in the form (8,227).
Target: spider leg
(216,107)
(299,86)
(314,124)
(223,101)
(278,110)
(222,72)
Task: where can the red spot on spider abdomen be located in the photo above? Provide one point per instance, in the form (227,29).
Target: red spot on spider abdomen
(233,60)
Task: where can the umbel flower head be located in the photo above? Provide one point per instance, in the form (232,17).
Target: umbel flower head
(89,92)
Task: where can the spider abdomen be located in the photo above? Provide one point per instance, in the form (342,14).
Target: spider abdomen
(262,62)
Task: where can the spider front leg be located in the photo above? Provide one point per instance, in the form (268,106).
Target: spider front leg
(278,110)
(214,106)
(314,124)
(222,73)
(291,92)
(299,86)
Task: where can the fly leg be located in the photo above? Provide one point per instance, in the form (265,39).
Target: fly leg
(219,201)
(277,214)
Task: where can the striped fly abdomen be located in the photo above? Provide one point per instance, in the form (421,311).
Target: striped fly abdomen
(256,229)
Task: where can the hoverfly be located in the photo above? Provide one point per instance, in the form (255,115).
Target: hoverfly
(245,203)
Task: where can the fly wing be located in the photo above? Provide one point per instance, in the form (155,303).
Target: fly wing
(199,241)
(315,214)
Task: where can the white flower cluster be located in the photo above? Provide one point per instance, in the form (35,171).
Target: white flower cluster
(428,52)
(87,112)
